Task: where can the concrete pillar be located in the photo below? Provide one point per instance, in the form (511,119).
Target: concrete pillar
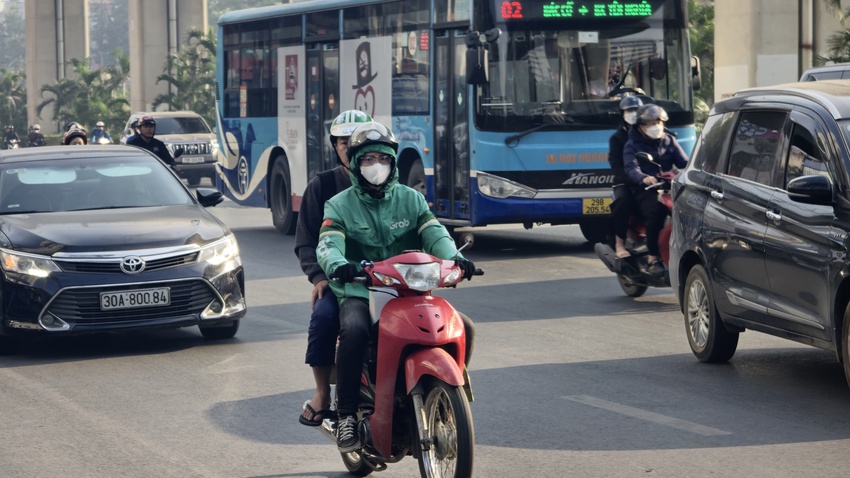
(767,42)
(157,27)
(56,31)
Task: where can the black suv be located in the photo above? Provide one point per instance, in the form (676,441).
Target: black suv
(761,221)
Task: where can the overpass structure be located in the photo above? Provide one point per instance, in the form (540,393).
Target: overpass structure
(57,30)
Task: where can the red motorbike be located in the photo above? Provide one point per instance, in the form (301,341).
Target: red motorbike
(632,274)
(413,399)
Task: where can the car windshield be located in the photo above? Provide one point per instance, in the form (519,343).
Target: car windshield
(87,184)
(187,125)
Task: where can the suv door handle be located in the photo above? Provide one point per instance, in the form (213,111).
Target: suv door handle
(774,216)
(717,195)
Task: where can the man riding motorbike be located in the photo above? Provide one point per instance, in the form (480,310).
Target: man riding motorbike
(34,137)
(100,133)
(324,321)
(145,140)
(648,136)
(374,219)
(11,137)
(624,204)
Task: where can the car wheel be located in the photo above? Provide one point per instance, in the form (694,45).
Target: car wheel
(194,180)
(283,216)
(219,332)
(708,337)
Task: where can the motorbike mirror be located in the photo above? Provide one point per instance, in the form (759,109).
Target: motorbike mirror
(178,151)
(645,157)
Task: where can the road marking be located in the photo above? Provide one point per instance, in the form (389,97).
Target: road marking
(647,416)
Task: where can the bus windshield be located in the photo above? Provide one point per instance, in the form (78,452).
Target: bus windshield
(576,77)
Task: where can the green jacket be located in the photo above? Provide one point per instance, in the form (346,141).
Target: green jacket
(358,226)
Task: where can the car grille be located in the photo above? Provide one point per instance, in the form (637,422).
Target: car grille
(82,305)
(114,267)
(194,148)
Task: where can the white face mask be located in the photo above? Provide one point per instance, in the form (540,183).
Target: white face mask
(655,131)
(376,174)
(630,117)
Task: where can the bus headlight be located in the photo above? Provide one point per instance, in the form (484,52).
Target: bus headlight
(501,188)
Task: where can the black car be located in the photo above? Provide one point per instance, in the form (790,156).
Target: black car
(107,238)
(761,221)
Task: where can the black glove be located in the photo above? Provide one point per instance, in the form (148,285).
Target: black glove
(467,267)
(345,273)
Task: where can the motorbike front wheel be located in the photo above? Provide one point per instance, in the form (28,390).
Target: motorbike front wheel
(449,422)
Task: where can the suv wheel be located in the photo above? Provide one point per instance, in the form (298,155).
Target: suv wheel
(845,343)
(709,339)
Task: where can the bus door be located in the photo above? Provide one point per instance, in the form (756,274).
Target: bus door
(322,105)
(451,128)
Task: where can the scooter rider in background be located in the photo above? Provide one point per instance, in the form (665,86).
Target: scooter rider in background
(10,136)
(648,136)
(145,140)
(34,137)
(374,219)
(324,321)
(100,133)
(624,203)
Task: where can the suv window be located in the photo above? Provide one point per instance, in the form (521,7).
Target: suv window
(756,146)
(709,148)
(804,159)
(181,126)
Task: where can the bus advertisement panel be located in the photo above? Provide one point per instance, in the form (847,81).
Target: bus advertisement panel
(503,109)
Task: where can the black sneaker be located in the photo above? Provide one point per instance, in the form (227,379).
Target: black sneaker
(346,434)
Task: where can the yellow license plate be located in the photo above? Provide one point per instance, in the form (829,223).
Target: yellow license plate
(596,206)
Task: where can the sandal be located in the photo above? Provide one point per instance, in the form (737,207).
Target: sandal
(623,254)
(314,422)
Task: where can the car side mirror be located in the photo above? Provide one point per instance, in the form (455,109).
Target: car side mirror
(813,189)
(209,197)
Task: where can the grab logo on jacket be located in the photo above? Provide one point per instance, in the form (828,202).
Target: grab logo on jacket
(398,224)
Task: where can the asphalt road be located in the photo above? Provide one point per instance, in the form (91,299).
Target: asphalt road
(571,378)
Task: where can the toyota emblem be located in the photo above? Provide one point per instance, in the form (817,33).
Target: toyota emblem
(132,265)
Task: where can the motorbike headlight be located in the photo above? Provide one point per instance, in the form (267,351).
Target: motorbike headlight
(220,252)
(422,277)
(501,188)
(29,264)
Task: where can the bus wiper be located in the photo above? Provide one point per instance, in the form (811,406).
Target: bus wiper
(554,120)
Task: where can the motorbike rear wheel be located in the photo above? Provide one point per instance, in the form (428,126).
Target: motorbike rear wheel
(630,288)
(355,464)
(447,417)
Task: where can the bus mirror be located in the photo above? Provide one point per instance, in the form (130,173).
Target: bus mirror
(476,65)
(696,76)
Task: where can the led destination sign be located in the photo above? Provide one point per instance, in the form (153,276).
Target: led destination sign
(566,9)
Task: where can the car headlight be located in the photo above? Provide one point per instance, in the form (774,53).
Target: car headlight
(29,264)
(220,252)
(501,188)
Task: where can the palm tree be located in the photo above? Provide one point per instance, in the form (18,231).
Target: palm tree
(13,99)
(190,73)
(838,44)
(92,95)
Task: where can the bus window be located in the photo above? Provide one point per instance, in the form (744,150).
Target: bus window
(322,25)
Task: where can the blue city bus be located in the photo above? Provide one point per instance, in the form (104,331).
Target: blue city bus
(502,109)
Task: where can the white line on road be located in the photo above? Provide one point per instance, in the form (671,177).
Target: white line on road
(647,416)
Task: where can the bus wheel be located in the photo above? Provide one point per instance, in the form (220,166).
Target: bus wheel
(594,230)
(416,176)
(280,199)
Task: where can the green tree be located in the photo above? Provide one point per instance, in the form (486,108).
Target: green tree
(109,30)
(190,74)
(91,95)
(838,44)
(13,100)
(701,32)
(12,38)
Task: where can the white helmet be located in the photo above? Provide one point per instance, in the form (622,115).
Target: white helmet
(99,124)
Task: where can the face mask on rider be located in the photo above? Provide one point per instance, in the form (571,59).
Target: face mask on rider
(655,131)
(630,117)
(376,174)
